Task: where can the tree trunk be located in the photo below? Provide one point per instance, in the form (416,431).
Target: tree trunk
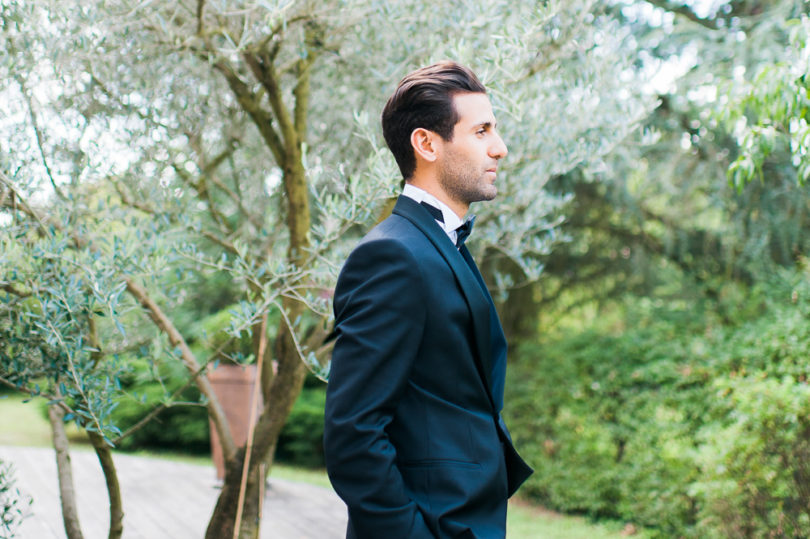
(223,519)
(284,390)
(67,493)
(104,455)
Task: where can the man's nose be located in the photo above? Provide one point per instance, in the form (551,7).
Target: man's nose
(498,149)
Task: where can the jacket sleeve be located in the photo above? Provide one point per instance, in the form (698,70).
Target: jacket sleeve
(380,312)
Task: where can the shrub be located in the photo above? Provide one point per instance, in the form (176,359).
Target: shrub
(301,440)
(690,425)
(182,426)
(756,469)
(605,427)
(185,427)
(12,503)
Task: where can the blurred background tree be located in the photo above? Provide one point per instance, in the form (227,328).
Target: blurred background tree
(665,386)
(660,213)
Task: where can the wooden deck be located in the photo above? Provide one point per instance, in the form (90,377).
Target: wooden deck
(162,499)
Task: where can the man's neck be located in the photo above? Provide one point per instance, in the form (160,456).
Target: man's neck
(449,222)
(432,188)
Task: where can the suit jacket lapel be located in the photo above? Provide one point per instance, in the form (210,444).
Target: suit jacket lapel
(496,373)
(477,297)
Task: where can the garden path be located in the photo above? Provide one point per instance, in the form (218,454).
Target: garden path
(162,499)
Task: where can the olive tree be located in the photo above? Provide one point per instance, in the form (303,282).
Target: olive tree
(150,147)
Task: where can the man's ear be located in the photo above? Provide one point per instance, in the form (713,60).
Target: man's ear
(425,144)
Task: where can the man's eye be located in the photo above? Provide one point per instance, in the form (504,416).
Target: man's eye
(480,131)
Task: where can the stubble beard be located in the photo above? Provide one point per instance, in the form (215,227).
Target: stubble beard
(463,183)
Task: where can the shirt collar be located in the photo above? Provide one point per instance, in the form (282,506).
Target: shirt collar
(451,220)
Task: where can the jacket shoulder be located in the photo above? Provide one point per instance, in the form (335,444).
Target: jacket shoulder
(399,230)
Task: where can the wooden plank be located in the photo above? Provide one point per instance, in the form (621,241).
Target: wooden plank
(162,499)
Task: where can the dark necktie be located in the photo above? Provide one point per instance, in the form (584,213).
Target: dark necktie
(464,230)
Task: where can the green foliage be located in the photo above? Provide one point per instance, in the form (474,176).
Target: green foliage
(175,174)
(589,415)
(53,302)
(769,113)
(661,217)
(301,440)
(13,504)
(215,332)
(676,421)
(756,468)
(165,173)
(182,425)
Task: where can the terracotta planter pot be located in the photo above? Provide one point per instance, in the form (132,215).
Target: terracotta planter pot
(233,386)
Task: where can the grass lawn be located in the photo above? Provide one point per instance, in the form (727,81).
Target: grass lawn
(25,424)
(527,521)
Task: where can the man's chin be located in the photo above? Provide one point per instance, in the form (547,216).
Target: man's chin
(490,193)
(480,194)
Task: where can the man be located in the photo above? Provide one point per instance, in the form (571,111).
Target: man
(414,441)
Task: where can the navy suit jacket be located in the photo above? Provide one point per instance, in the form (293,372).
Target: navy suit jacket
(414,440)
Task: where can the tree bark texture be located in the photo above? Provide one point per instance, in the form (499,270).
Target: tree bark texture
(280,397)
(223,519)
(67,492)
(281,389)
(104,454)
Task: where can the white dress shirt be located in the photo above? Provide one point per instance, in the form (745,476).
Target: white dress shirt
(451,220)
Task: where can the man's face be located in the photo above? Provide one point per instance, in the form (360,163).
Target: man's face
(469,162)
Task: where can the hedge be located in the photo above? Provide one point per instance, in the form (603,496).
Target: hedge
(678,422)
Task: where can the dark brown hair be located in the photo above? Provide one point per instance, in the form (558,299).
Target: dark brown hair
(424,98)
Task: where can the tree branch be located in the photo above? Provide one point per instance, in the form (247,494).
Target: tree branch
(225,244)
(685,11)
(127,200)
(126,106)
(8,287)
(3,197)
(238,200)
(29,101)
(58,401)
(215,409)
(250,103)
(159,408)
(264,70)
(168,403)
(212,165)
(67,491)
(302,88)
(200,14)
(204,193)
(201,185)
(104,455)
(25,207)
